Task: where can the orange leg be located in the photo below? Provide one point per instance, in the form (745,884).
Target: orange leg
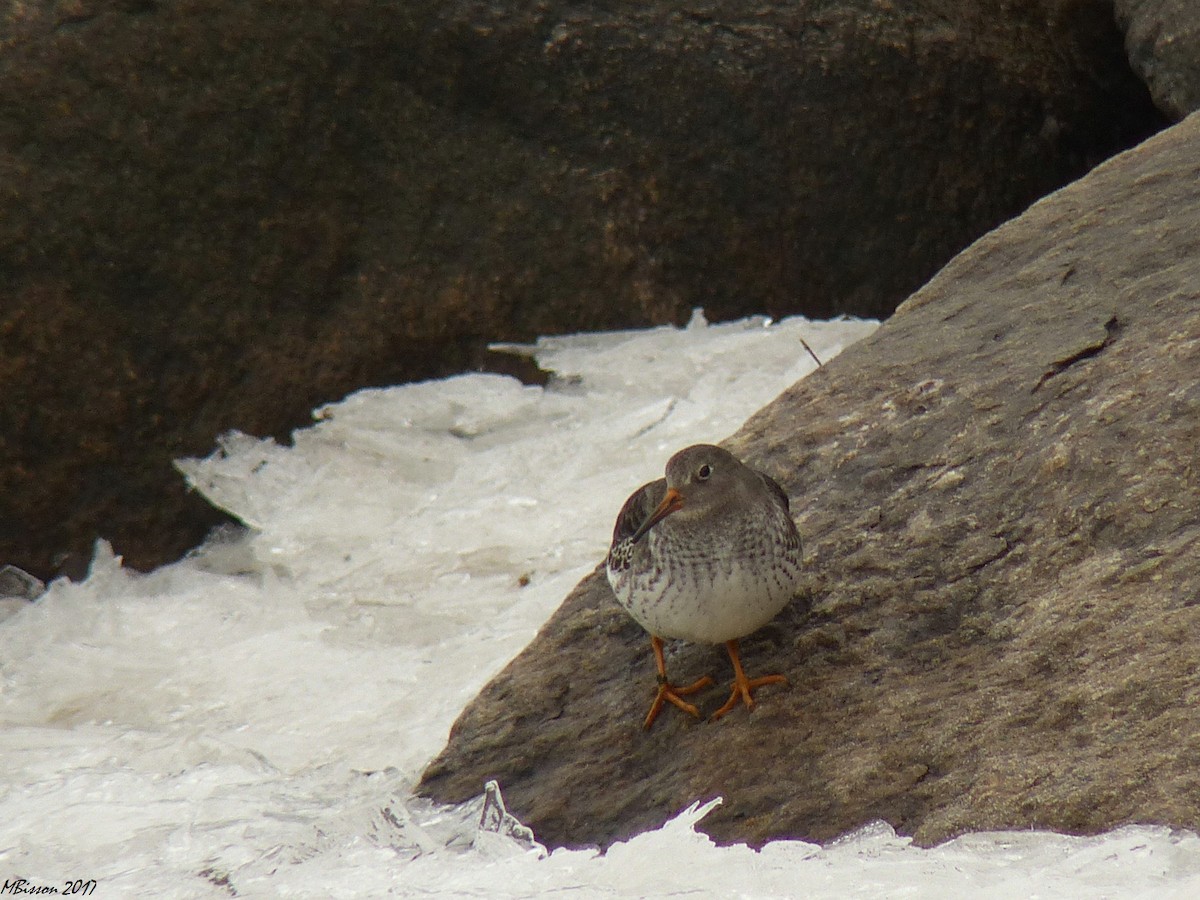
(667,692)
(743,687)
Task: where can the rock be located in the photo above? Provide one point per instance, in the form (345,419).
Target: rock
(214,216)
(998,493)
(1162,38)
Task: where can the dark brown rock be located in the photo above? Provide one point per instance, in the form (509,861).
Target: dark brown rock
(219,214)
(999,493)
(1162,38)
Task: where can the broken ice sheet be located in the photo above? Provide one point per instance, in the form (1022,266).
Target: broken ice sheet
(500,832)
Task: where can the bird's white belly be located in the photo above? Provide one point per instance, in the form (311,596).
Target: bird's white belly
(702,598)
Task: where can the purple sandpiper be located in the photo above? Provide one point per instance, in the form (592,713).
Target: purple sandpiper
(708,554)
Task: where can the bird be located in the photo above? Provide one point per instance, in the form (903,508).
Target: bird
(708,554)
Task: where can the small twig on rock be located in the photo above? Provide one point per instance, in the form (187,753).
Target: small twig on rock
(810,352)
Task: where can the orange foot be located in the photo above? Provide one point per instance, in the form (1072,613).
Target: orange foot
(669,693)
(743,687)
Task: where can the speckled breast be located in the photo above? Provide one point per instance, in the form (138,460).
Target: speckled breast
(712,584)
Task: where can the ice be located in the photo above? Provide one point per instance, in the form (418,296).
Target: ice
(499,828)
(18,584)
(17,587)
(251,720)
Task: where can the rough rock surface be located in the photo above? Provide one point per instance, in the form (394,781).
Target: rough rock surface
(219,214)
(1000,497)
(1162,38)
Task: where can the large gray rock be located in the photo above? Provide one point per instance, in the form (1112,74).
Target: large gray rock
(999,493)
(1162,38)
(219,214)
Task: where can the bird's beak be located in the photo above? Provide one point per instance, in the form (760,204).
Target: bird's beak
(671,501)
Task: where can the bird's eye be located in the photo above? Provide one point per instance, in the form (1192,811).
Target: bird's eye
(703,472)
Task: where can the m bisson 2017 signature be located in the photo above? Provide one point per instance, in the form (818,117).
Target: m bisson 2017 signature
(23,886)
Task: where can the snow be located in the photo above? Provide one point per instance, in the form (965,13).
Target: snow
(250,721)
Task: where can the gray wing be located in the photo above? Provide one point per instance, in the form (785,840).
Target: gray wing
(781,495)
(773,486)
(637,509)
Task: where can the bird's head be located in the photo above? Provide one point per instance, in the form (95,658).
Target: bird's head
(701,480)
